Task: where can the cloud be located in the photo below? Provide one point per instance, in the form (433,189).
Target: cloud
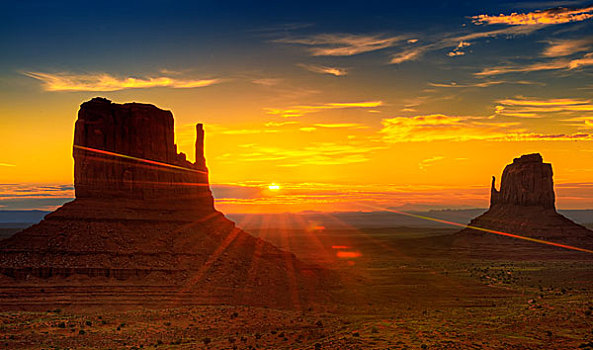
(566,64)
(338,72)
(308,129)
(556,15)
(518,69)
(351,44)
(439,127)
(317,153)
(457,42)
(429,162)
(545,103)
(34,196)
(483,84)
(586,60)
(535,108)
(267,81)
(343,44)
(107,82)
(457,51)
(341,125)
(277,124)
(7,164)
(299,111)
(545,4)
(249,131)
(559,48)
(408,55)
(585,122)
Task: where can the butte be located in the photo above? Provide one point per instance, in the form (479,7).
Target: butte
(143,228)
(525,206)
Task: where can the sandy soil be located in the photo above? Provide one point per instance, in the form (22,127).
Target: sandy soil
(400,290)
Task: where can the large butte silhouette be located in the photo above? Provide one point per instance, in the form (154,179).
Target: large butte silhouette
(144,214)
(525,205)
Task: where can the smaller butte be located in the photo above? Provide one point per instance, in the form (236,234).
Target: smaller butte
(525,206)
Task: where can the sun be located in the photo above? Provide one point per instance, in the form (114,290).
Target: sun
(274,187)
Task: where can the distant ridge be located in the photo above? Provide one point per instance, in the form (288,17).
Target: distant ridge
(25,218)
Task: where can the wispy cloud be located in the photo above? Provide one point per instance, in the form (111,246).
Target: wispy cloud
(536,108)
(317,153)
(425,163)
(107,82)
(545,4)
(300,110)
(338,72)
(341,126)
(563,102)
(583,122)
(343,44)
(559,48)
(457,43)
(483,84)
(277,124)
(7,164)
(267,81)
(34,196)
(458,50)
(455,53)
(556,15)
(409,55)
(439,127)
(558,64)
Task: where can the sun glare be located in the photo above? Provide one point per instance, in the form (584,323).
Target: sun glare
(274,187)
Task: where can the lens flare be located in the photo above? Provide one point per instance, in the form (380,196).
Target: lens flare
(535,240)
(142,160)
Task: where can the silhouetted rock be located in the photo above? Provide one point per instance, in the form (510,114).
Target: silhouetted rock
(145,213)
(129,151)
(525,205)
(525,182)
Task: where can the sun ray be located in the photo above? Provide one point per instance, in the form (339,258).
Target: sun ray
(197,277)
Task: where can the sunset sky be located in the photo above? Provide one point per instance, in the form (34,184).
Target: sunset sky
(345,105)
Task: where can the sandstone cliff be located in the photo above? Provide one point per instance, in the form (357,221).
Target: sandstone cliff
(128,151)
(525,182)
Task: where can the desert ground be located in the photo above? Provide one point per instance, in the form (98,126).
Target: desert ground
(402,288)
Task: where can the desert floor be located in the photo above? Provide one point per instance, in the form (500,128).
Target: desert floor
(403,288)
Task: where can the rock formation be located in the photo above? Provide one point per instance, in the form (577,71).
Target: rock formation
(144,213)
(128,151)
(526,182)
(525,205)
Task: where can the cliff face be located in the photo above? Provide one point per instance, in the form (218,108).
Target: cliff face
(145,213)
(128,151)
(525,205)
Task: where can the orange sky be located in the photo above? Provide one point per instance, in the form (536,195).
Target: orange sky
(338,119)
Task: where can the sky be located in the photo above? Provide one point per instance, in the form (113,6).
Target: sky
(338,106)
